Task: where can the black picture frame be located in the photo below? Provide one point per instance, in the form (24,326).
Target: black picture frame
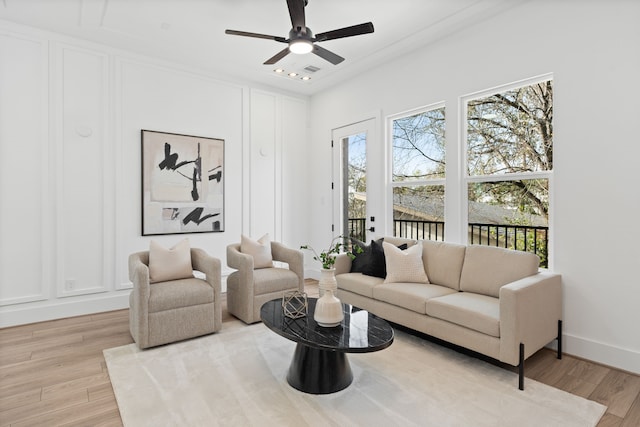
(182,183)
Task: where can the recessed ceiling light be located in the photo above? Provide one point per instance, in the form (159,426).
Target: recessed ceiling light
(278,70)
(293,74)
(306,78)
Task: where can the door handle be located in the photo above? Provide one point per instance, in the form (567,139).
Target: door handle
(372,229)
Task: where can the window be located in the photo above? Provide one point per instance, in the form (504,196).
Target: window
(418,173)
(509,166)
(355,153)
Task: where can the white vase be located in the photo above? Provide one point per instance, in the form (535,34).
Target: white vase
(328,312)
(328,281)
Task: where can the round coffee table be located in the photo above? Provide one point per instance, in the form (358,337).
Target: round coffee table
(320,364)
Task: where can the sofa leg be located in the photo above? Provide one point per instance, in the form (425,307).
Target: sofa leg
(521,368)
(559,339)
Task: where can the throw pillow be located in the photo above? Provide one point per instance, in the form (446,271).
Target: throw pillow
(259,249)
(169,264)
(377,266)
(374,264)
(362,259)
(404,266)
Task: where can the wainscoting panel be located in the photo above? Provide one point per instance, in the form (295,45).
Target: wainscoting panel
(295,176)
(25,216)
(264,134)
(82,161)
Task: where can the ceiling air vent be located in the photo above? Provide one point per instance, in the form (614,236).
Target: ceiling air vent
(311,68)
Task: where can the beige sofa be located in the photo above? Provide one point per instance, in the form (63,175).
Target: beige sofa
(490,300)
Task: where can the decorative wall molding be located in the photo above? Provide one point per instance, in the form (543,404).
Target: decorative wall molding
(83,165)
(92,103)
(25,166)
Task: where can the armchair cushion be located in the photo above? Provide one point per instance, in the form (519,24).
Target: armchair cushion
(169,264)
(259,249)
(269,280)
(179,293)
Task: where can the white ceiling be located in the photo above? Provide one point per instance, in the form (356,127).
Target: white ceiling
(191,32)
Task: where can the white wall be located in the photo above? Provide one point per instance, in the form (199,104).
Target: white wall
(592,51)
(70,156)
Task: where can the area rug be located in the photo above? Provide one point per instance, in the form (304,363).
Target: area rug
(237,377)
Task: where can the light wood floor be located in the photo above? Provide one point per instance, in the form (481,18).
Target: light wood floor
(53,373)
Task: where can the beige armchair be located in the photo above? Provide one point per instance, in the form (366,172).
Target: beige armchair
(164,312)
(249,288)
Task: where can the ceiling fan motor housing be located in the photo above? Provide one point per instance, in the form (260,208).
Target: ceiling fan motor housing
(297,33)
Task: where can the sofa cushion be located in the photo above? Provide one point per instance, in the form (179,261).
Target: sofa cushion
(443,262)
(486,269)
(399,241)
(478,312)
(358,283)
(411,296)
(404,266)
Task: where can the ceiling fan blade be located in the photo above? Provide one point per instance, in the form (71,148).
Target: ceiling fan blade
(328,55)
(296,12)
(256,35)
(354,30)
(277,57)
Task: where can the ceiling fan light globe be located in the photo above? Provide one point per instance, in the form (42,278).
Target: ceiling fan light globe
(300,47)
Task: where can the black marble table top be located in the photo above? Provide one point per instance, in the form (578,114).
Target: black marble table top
(359,332)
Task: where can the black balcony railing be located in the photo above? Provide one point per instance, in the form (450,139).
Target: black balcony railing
(419,230)
(357,230)
(527,238)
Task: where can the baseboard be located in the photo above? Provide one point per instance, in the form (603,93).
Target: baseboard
(312,274)
(606,354)
(51,310)
(42,311)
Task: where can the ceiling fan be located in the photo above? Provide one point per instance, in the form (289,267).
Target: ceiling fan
(301,40)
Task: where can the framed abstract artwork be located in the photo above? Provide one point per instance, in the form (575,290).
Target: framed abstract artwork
(182,184)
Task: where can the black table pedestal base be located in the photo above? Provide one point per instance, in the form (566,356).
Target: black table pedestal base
(318,371)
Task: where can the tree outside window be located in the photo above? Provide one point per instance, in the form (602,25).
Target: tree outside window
(509,165)
(418,173)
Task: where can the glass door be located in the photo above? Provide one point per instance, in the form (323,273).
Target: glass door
(354,202)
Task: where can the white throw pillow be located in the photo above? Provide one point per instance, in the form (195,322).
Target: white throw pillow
(260,250)
(404,266)
(169,264)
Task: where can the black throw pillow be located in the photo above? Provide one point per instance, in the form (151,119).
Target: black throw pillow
(362,259)
(376,267)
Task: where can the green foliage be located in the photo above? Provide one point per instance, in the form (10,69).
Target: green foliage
(328,256)
(531,240)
